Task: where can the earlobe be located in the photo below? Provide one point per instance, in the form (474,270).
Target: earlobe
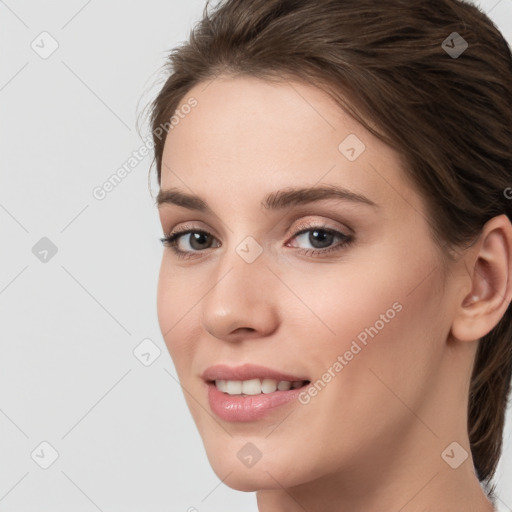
(489,271)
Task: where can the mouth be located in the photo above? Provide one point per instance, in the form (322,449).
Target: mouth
(250,392)
(256,386)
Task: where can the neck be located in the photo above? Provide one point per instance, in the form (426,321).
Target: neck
(414,478)
(439,493)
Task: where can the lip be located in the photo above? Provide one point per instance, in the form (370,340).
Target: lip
(246,372)
(241,408)
(238,408)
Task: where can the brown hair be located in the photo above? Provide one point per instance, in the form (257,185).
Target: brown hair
(448,116)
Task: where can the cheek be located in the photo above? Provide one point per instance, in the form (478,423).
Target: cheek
(175,303)
(344,300)
(388,331)
(394,285)
(385,330)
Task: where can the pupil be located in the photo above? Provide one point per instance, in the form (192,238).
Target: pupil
(197,237)
(326,237)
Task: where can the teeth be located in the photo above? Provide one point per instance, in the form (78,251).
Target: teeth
(251,387)
(256,386)
(268,385)
(284,385)
(234,387)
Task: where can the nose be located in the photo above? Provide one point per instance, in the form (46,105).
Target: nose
(241,301)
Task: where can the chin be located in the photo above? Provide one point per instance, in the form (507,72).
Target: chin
(250,479)
(269,472)
(248,483)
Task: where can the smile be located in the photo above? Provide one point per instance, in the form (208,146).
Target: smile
(249,392)
(257,386)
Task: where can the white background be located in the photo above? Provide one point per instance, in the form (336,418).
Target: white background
(68,375)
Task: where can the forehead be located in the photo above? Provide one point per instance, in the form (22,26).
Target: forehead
(251,137)
(241,116)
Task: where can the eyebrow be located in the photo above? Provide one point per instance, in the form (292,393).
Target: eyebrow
(278,200)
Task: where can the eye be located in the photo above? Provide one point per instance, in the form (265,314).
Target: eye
(199,241)
(320,237)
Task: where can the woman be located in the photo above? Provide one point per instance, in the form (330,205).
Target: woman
(335,196)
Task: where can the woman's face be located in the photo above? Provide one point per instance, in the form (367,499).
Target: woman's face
(342,291)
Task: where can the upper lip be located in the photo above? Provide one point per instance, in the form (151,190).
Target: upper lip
(246,372)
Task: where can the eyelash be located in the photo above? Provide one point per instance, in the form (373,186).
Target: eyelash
(171,240)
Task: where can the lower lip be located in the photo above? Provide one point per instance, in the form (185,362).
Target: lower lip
(248,408)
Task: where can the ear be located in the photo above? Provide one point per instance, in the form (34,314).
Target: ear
(489,281)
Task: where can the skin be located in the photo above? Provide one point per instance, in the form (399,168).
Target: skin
(371,440)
